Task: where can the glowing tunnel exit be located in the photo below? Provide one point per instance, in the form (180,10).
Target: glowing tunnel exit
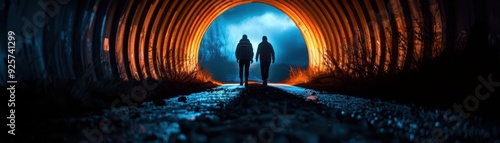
(217,49)
(313,41)
(138,39)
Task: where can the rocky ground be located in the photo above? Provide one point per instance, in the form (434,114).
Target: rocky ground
(275,113)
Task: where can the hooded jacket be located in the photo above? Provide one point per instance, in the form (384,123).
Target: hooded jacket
(244,50)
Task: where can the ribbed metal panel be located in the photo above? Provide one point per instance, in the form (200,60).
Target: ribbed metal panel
(136,39)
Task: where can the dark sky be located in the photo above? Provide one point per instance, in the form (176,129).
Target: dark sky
(257,20)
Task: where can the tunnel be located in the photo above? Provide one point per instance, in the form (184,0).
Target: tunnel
(139,39)
(388,71)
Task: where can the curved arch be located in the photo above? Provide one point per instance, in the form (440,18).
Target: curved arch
(147,36)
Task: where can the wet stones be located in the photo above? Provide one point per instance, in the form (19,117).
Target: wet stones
(182,99)
(159,102)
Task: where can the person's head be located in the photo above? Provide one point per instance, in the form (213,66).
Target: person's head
(244,36)
(264,38)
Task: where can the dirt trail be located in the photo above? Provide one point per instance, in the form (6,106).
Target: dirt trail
(275,113)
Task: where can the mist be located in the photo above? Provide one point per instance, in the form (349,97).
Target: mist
(255,20)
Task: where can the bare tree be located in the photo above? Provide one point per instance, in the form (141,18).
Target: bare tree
(357,66)
(214,54)
(213,43)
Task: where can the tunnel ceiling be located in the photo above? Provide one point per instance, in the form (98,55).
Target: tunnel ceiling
(138,39)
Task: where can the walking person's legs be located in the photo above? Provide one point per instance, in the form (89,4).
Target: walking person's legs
(264,69)
(247,74)
(241,71)
(262,72)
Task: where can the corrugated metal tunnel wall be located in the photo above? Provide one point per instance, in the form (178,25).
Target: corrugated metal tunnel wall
(134,39)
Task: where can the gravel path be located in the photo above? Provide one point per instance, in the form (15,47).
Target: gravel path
(276,113)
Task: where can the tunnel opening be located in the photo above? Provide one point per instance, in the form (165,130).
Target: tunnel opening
(141,39)
(145,39)
(77,57)
(217,48)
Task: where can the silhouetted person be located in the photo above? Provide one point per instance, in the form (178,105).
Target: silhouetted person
(266,52)
(244,55)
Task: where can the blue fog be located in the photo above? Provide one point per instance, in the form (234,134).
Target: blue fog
(255,20)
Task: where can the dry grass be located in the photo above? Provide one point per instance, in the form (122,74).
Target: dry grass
(204,75)
(300,75)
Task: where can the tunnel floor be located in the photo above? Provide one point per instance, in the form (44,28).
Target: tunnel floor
(275,113)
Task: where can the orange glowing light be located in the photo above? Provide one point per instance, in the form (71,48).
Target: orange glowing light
(106,45)
(325,25)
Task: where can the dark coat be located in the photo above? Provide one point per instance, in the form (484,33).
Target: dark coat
(266,52)
(244,50)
